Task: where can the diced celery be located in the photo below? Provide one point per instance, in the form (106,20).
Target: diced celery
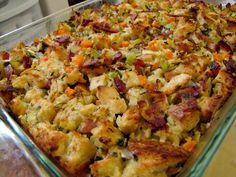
(164,64)
(113,74)
(31,53)
(130,57)
(2,73)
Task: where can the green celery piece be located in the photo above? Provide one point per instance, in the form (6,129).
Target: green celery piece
(131,56)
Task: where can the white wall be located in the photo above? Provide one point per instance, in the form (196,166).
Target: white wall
(51,6)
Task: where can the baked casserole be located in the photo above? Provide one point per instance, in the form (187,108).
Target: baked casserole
(125,90)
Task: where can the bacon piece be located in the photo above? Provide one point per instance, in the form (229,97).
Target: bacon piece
(230,65)
(90,62)
(139,65)
(62,39)
(85,22)
(93,66)
(8,72)
(133,16)
(186,93)
(48,84)
(215,68)
(27,62)
(71,55)
(186,114)
(117,57)
(89,125)
(157,124)
(223,45)
(120,85)
(6,92)
(103,27)
(5,55)
(180,109)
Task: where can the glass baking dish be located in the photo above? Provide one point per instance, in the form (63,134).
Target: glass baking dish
(205,150)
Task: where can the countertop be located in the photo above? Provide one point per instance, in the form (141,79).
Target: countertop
(223,163)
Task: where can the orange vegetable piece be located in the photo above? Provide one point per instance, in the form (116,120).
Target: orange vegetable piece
(79,60)
(156,24)
(70,92)
(143,80)
(189,145)
(124,43)
(171,19)
(68,69)
(221,56)
(123,24)
(152,45)
(44,58)
(134,4)
(169,54)
(86,44)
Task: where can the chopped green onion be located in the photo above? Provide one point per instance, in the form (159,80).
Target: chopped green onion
(31,53)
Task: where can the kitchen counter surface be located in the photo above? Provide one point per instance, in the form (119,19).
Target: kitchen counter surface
(223,163)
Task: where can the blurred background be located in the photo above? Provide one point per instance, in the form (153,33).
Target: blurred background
(17,13)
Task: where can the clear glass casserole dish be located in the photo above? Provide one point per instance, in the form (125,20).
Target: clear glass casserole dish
(207,147)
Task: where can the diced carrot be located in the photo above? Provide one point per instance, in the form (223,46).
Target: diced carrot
(169,54)
(123,24)
(44,58)
(79,60)
(221,56)
(156,24)
(68,69)
(66,62)
(5,56)
(143,80)
(171,19)
(124,43)
(86,44)
(152,45)
(225,55)
(189,145)
(70,92)
(155,66)
(134,4)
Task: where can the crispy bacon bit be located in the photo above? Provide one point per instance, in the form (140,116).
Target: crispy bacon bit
(223,45)
(7,93)
(90,63)
(186,93)
(104,140)
(48,84)
(27,62)
(215,68)
(71,55)
(89,125)
(93,66)
(230,65)
(133,16)
(180,109)
(117,57)
(62,39)
(120,85)
(85,22)
(157,124)
(72,18)
(8,72)
(5,56)
(139,65)
(104,27)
